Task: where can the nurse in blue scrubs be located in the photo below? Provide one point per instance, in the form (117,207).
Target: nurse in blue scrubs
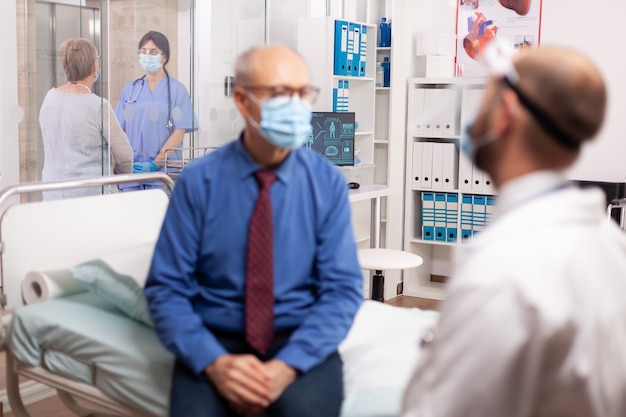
(154,110)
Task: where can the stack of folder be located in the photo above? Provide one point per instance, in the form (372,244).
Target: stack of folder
(350,49)
(476,212)
(341,95)
(440,215)
(435,165)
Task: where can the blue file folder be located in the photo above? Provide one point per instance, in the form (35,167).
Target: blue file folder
(341,48)
(428,216)
(452,217)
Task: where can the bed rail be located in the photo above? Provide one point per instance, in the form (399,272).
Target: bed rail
(172,167)
(85,182)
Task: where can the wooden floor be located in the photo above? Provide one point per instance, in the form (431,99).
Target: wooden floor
(52,406)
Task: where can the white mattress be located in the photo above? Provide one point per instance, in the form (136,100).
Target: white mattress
(126,361)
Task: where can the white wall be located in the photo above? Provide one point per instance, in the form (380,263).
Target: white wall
(593,28)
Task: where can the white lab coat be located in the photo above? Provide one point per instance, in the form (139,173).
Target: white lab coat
(534,323)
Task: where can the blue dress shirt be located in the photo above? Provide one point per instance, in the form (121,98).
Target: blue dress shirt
(198,271)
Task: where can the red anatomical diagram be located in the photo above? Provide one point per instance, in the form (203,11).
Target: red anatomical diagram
(520,6)
(479,34)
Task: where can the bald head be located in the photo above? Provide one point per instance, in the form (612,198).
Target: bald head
(271,65)
(565,85)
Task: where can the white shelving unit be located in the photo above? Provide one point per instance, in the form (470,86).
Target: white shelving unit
(437,111)
(372,107)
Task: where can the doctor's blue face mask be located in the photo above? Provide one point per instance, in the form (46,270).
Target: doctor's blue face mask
(285,121)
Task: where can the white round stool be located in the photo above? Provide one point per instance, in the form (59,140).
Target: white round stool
(382,259)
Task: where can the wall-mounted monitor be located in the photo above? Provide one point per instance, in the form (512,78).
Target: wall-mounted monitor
(332,135)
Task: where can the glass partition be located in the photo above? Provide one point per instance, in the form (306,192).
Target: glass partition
(115,27)
(205,37)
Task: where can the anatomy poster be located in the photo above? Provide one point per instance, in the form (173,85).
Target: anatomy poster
(478,21)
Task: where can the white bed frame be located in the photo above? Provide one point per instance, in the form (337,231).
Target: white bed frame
(60,234)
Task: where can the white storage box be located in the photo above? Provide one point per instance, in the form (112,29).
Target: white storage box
(430,43)
(435,66)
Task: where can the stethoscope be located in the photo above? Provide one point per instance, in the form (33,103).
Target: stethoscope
(131,99)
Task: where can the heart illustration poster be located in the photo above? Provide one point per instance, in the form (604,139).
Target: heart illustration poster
(479,21)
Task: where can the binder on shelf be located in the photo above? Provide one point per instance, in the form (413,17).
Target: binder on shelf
(467,213)
(416,166)
(363,52)
(428,216)
(447,116)
(437,167)
(345,101)
(430,104)
(427,165)
(356,58)
(450,163)
(465,173)
(440,217)
(341,48)
(452,216)
(336,88)
(477,179)
(479,214)
(488,187)
(418,112)
(490,208)
(351,50)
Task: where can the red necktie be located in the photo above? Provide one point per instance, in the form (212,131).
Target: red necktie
(259,308)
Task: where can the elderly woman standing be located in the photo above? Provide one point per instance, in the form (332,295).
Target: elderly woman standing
(81,135)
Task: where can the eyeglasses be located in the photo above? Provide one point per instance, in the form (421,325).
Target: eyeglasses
(151,52)
(306,93)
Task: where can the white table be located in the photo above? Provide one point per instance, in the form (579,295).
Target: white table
(383,259)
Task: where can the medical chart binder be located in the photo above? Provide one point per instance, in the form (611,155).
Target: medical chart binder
(416,178)
(427,165)
(437,166)
(465,173)
(418,112)
(452,217)
(336,93)
(363,52)
(479,217)
(450,165)
(428,216)
(350,50)
(341,48)
(345,97)
(440,217)
(356,57)
(477,179)
(467,213)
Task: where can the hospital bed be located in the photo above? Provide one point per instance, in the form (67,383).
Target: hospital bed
(104,360)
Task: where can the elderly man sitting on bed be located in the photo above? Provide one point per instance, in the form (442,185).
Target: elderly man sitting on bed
(306,280)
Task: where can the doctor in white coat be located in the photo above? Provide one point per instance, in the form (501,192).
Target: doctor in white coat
(534,322)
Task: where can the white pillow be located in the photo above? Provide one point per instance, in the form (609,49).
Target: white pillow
(119,278)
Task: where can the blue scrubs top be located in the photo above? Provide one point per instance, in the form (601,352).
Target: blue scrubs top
(144,115)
